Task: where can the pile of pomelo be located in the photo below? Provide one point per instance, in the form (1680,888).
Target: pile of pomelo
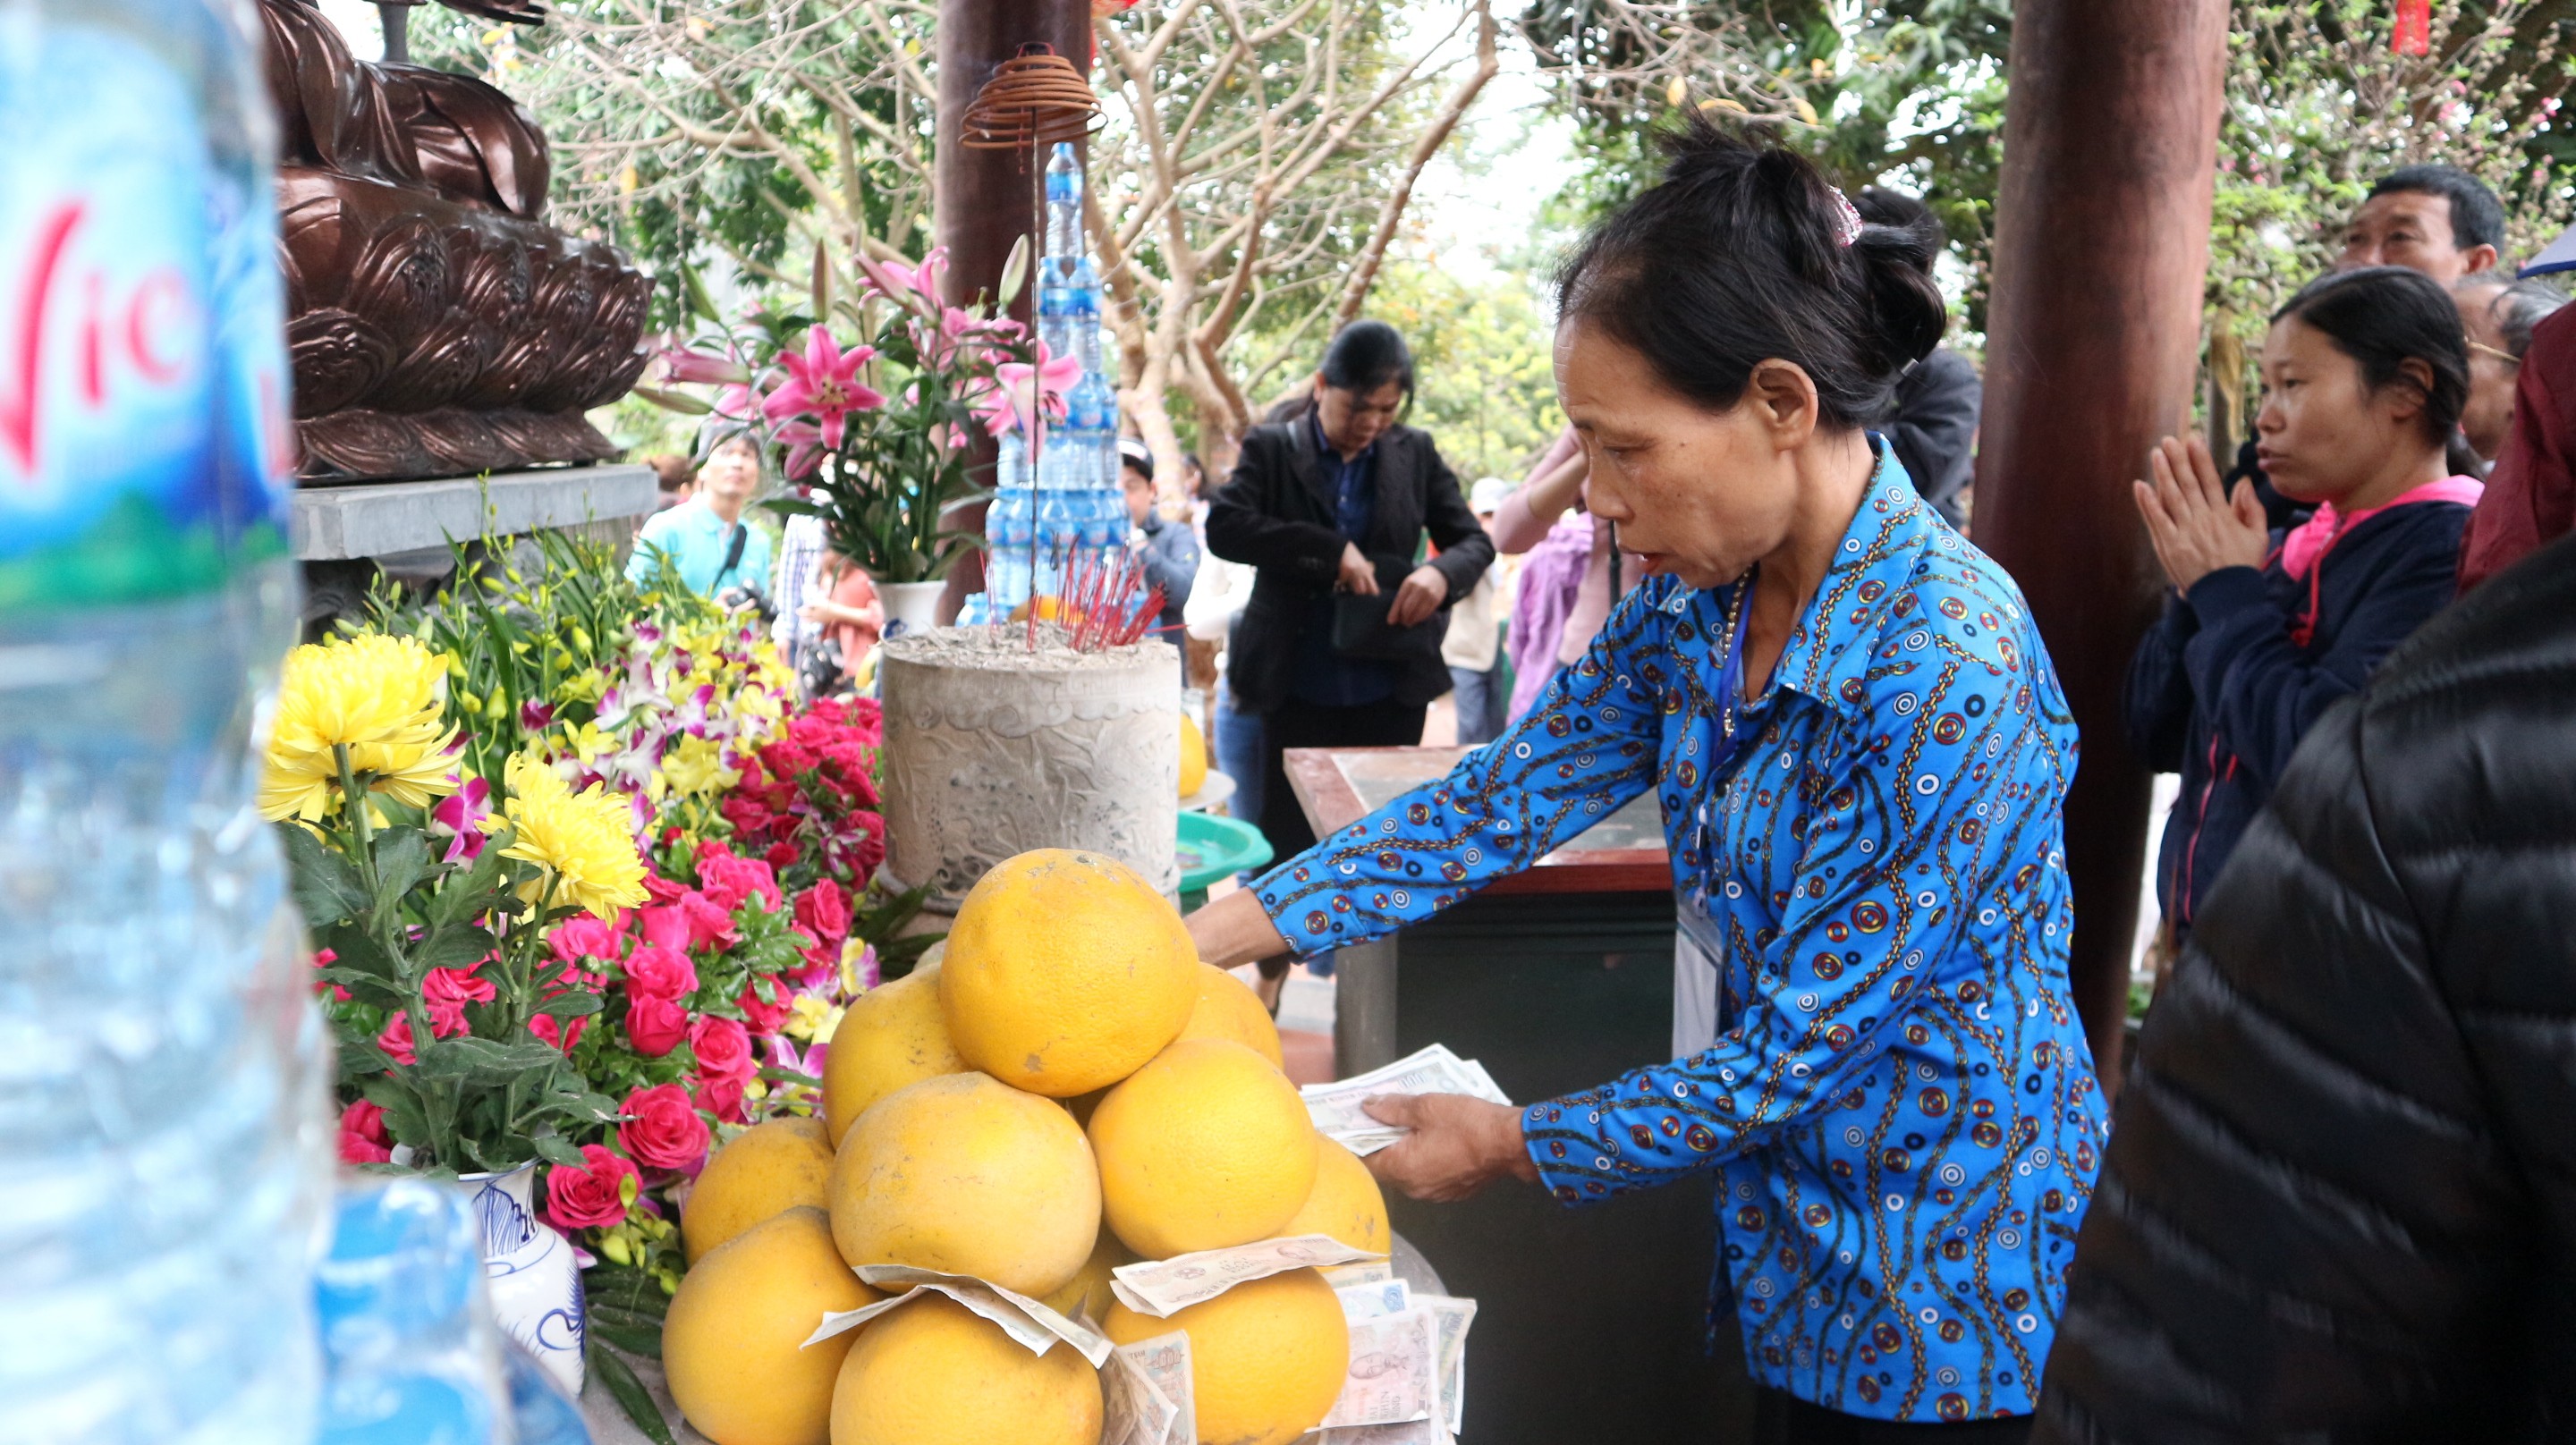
(1068,1089)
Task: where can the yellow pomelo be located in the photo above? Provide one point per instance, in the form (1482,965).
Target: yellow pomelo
(1066,972)
(936,1373)
(1345,1203)
(762,1173)
(1205,1147)
(892,1036)
(1088,1293)
(1194,764)
(1229,1009)
(1267,1358)
(968,1176)
(731,1343)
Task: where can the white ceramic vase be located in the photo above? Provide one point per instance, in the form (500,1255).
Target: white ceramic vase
(911,606)
(530,1273)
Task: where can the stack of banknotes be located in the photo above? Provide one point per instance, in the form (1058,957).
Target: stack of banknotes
(1335,1107)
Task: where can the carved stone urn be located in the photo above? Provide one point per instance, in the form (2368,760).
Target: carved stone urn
(438,326)
(993,748)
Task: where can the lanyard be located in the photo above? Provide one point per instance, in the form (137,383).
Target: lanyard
(1696,917)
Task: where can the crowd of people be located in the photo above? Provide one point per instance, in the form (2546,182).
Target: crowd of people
(2330,1202)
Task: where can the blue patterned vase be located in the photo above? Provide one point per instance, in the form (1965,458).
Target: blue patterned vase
(530,1273)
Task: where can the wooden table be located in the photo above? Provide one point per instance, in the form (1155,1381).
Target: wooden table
(1591,1322)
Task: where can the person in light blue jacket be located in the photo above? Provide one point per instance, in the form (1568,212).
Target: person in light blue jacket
(1861,753)
(707,537)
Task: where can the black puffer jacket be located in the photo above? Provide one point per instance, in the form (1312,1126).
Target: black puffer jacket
(2340,1197)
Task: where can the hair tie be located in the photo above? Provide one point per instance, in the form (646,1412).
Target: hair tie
(1847,221)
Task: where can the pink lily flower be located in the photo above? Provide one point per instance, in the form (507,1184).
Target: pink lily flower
(805,451)
(737,403)
(824,383)
(682,365)
(1021,391)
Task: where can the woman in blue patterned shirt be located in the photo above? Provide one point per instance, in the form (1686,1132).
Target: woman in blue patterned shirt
(1860,749)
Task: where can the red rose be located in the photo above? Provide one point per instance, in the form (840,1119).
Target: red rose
(661,889)
(766,1017)
(729,880)
(363,1139)
(663,927)
(550,1030)
(823,912)
(723,1047)
(710,924)
(584,936)
(722,1098)
(663,1128)
(590,1197)
(747,814)
(323,958)
(447,991)
(396,1039)
(657,971)
(783,855)
(789,758)
(655,1026)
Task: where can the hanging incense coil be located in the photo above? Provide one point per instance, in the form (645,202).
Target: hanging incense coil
(1035,98)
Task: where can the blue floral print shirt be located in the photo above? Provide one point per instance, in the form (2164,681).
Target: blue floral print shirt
(1899,1104)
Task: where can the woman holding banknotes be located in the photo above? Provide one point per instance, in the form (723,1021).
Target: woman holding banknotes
(1860,749)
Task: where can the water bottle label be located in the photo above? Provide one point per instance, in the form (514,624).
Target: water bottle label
(145,446)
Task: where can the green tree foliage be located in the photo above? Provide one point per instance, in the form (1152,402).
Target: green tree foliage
(1485,386)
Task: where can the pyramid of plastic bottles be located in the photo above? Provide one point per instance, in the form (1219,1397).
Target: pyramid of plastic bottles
(1056,501)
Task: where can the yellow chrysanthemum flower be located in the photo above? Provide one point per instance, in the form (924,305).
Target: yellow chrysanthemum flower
(381,698)
(696,768)
(584,840)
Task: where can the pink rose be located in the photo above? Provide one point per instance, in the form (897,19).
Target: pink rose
(664,927)
(363,1139)
(323,958)
(590,1197)
(583,936)
(447,991)
(659,972)
(766,1017)
(729,880)
(661,889)
(723,1047)
(396,1039)
(655,1026)
(710,923)
(550,1029)
(663,1128)
(823,912)
(722,1098)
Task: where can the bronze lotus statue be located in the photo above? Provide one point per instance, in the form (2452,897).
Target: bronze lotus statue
(439,326)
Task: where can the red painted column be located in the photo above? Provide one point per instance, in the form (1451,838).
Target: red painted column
(2101,246)
(988,200)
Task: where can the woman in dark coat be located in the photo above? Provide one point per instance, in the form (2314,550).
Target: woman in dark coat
(2340,1202)
(2364,376)
(1337,500)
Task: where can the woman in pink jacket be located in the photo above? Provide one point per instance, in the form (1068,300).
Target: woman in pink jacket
(1566,586)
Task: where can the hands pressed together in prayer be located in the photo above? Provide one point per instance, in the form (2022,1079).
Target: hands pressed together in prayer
(2197,526)
(1458,1146)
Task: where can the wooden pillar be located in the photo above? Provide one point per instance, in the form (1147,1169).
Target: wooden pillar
(2101,246)
(988,200)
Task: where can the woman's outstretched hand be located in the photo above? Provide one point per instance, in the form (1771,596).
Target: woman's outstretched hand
(1459,1145)
(2197,527)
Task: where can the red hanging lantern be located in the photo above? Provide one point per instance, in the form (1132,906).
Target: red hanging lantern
(2414,33)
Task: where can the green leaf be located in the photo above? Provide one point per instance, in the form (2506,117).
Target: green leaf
(695,290)
(629,1393)
(402,860)
(404,1117)
(554,1148)
(485,1061)
(571,1004)
(327,887)
(454,948)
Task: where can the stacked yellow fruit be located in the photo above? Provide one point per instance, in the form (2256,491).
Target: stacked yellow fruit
(953,1137)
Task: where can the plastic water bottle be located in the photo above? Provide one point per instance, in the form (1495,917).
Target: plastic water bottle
(164,1139)
(412,1353)
(1057,282)
(1059,513)
(1010,527)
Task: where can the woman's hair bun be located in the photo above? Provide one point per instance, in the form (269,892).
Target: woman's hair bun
(1738,256)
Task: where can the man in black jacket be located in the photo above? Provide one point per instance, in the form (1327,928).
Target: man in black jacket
(2340,1197)
(1334,503)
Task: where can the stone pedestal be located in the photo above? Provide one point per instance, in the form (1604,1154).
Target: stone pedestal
(992,749)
